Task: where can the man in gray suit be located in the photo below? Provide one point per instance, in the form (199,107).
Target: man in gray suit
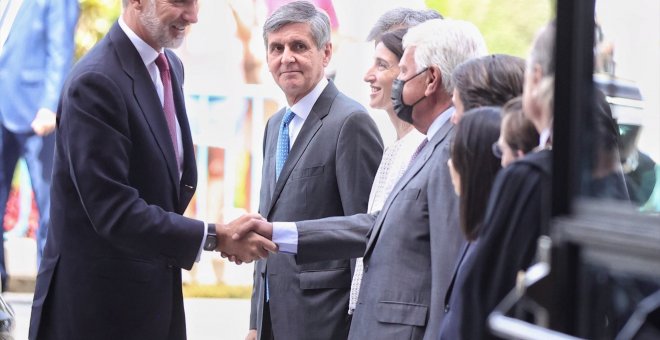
(412,244)
(321,153)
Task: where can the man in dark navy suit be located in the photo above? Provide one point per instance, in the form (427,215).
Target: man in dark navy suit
(124,172)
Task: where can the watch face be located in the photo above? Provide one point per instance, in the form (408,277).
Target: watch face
(211,242)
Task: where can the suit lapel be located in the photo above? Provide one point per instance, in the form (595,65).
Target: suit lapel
(147,98)
(309,129)
(189,175)
(268,171)
(464,251)
(414,168)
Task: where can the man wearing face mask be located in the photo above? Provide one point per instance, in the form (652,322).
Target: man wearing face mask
(413,243)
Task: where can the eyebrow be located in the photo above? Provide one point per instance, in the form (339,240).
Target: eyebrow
(378,59)
(299,41)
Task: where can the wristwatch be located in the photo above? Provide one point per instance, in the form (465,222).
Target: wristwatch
(211,241)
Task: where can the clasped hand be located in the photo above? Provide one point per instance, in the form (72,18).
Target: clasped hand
(245,239)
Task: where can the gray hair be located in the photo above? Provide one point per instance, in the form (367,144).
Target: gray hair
(445,43)
(543,54)
(543,49)
(300,12)
(400,17)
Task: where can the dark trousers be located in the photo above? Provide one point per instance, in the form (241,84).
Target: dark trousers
(266,327)
(38,154)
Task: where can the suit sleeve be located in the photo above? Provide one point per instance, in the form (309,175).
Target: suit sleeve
(359,151)
(446,238)
(61,22)
(94,129)
(333,238)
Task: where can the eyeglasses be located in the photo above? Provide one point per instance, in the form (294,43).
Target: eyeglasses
(497,152)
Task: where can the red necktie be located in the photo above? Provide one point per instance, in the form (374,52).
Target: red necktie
(419,149)
(168,102)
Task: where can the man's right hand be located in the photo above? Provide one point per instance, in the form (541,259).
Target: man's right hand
(252,335)
(259,226)
(245,249)
(246,227)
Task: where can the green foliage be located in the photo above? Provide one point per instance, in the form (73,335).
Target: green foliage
(508,26)
(217,291)
(96,18)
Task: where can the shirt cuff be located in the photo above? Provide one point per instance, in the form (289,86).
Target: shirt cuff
(285,235)
(201,246)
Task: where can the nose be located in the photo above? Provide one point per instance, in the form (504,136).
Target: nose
(191,11)
(287,56)
(369,77)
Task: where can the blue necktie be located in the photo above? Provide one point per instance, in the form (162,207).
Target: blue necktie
(283,143)
(280,159)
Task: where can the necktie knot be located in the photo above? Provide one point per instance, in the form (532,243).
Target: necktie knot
(419,149)
(161,63)
(288,117)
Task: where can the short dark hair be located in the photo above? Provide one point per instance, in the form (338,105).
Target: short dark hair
(393,41)
(519,131)
(489,81)
(473,159)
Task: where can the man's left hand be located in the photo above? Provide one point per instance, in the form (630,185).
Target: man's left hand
(44,123)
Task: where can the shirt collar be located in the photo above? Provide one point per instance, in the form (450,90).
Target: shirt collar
(441,120)
(544,137)
(304,106)
(147,53)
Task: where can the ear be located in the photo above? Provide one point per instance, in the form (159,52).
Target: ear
(327,54)
(519,154)
(137,4)
(537,74)
(434,79)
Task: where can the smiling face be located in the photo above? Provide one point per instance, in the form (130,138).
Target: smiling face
(163,22)
(380,77)
(295,62)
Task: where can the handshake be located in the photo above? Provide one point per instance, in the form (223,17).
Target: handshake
(245,239)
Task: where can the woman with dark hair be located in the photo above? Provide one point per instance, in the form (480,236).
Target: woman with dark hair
(517,212)
(487,81)
(473,168)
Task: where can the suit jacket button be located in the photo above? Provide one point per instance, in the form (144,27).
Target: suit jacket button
(366,267)
(447,308)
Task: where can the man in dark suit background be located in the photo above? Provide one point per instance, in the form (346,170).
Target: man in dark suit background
(124,172)
(36,52)
(321,153)
(412,244)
